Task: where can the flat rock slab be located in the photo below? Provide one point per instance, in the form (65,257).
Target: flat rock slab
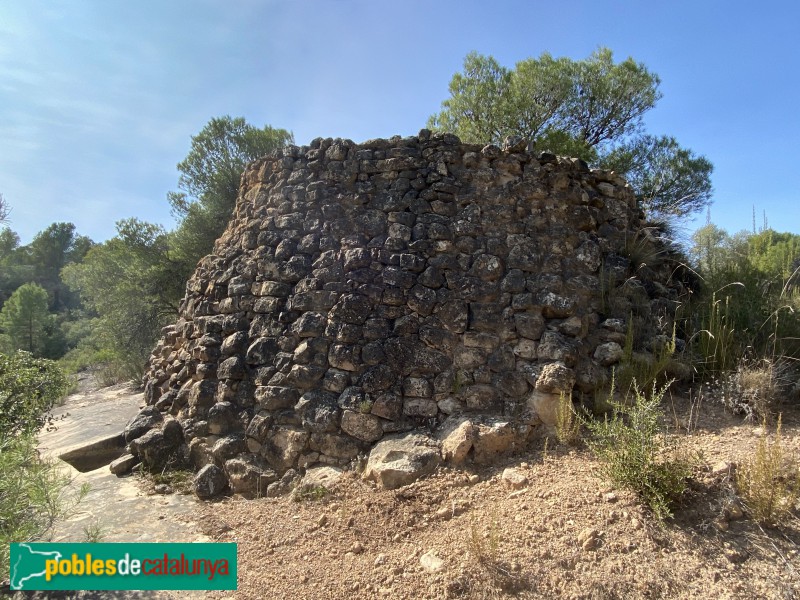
(88,418)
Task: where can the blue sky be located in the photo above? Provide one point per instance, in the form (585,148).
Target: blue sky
(99,100)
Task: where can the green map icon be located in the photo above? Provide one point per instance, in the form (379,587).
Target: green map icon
(27,565)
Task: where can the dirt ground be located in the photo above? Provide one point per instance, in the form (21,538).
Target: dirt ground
(564,533)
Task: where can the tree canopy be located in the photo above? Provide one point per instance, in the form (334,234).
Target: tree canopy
(666,177)
(23,318)
(134,283)
(209,179)
(591,108)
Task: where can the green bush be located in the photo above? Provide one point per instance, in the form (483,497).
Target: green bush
(635,452)
(750,305)
(31,494)
(29,387)
(31,488)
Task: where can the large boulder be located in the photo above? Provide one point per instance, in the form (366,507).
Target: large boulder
(398,460)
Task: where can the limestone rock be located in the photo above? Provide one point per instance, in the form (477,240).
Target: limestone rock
(221,418)
(514,478)
(249,474)
(321,477)
(608,354)
(147,418)
(589,539)
(155,449)
(402,459)
(457,436)
(228,447)
(124,464)
(499,437)
(431,563)
(209,482)
(545,405)
(364,427)
(555,378)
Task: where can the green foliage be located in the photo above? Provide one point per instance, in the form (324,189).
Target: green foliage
(591,108)
(668,179)
(717,341)
(39,264)
(592,101)
(475,110)
(49,252)
(5,209)
(14,271)
(643,370)
(31,494)
(29,387)
(209,180)
(751,301)
(93,532)
(636,453)
(24,317)
(313,493)
(134,284)
(179,479)
(769,482)
(31,489)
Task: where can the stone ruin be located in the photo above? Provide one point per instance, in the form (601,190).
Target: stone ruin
(415,299)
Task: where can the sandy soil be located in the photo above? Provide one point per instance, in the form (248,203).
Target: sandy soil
(564,533)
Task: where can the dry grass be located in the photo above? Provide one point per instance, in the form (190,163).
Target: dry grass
(755,388)
(568,426)
(768,482)
(489,575)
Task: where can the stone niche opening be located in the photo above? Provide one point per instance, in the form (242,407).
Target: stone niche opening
(415,298)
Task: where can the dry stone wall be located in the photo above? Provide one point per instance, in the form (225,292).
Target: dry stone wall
(364,291)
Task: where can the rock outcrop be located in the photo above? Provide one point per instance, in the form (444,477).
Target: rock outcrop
(364,291)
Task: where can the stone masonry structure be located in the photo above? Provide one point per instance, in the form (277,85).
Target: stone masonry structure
(415,291)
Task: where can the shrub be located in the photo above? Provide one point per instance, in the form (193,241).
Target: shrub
(636,453)
(310,493)
(768,482)
(29,387)
(751,300)
(487,575)
(31,494)
(31,488)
